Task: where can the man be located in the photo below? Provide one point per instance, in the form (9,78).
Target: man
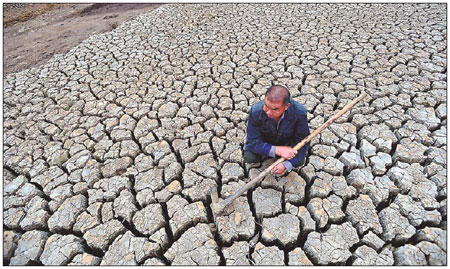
(275,125)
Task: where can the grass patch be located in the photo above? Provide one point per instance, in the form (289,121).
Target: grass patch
(26,13)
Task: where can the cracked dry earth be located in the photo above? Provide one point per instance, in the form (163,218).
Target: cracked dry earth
(110,149)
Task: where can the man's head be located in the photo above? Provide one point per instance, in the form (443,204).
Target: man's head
(276,101)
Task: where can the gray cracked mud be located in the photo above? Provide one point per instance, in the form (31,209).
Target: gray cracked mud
(110,150)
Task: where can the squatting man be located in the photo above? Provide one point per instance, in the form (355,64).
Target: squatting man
(275,125)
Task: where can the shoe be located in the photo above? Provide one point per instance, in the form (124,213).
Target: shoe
(249,166)
(298,168)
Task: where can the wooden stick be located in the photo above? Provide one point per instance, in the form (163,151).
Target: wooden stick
(219,207)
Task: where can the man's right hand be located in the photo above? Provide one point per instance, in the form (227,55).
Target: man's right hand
(285,152)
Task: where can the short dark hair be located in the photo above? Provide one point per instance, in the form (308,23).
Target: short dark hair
(278,93)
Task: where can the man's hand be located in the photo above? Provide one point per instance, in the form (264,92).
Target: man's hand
(285,152)
(278,169)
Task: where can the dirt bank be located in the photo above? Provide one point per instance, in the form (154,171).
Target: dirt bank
(33,33)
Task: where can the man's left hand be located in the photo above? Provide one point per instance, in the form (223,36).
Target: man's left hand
(278,169)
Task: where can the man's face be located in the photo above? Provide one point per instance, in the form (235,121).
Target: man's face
(274,110)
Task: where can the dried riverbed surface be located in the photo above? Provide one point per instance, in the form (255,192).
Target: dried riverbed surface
(110,149)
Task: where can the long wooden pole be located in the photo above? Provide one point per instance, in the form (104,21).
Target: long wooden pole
(217,207)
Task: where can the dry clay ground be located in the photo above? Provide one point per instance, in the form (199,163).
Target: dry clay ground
(33,33)
(110,149)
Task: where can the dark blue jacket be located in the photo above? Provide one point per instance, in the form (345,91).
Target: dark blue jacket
(262,131)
